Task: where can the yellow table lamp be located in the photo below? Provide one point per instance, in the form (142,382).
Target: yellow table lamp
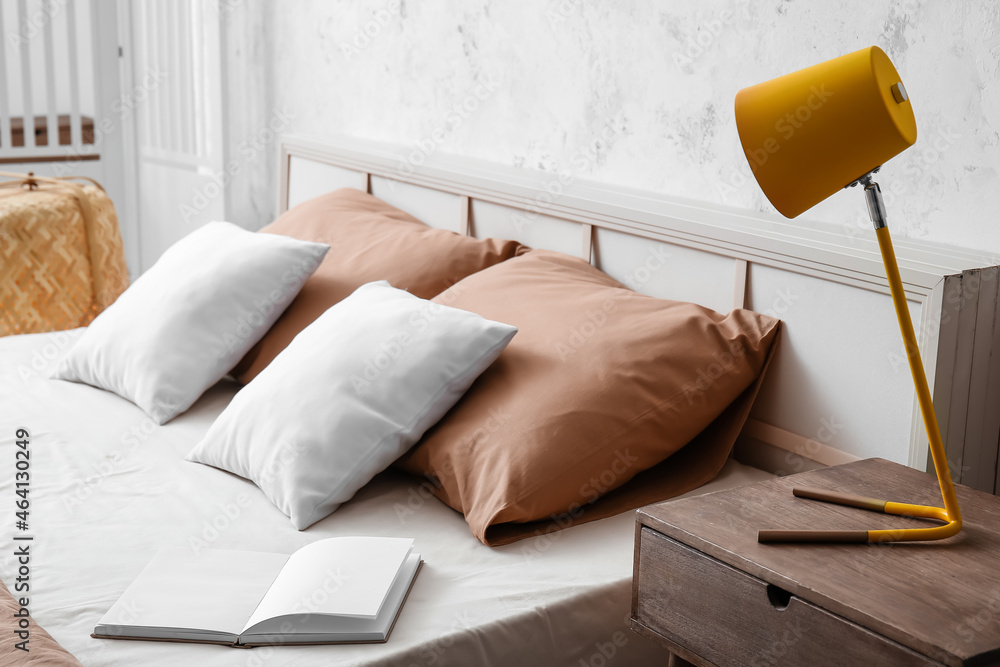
(807,135)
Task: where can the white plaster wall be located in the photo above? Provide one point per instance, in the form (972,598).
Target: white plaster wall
(655,78)
(249,143)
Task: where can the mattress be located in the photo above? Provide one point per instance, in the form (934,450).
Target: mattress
(109,488)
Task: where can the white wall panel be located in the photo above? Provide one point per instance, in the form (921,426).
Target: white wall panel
(666,271)
(841,376)
(433,207)
(533,229)
(308,179)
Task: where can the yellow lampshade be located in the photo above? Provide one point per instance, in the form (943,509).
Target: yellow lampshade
(810,133)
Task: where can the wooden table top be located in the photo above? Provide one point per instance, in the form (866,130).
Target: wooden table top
(940,598)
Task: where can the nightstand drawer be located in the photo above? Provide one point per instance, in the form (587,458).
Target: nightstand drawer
(728,617)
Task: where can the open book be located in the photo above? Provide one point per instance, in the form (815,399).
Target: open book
(337,590)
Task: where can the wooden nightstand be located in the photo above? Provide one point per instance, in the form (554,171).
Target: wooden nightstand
(704,588)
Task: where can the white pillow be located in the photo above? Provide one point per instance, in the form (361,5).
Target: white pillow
(349,395)
(190,318)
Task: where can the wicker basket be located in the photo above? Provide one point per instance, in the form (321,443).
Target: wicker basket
(61,256)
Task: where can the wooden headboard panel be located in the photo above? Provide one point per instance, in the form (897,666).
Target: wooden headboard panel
(839,387)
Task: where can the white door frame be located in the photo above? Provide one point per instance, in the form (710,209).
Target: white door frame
(175,130)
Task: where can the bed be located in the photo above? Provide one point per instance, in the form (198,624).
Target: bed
(112,487)
(115,488)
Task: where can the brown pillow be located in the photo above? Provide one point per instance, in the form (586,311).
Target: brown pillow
(369,240)
(43,650)
(600,384)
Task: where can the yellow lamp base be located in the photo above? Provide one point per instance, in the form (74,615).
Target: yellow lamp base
(941,532)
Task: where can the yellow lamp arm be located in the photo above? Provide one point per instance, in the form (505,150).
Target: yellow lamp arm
(919,382)
(950,514)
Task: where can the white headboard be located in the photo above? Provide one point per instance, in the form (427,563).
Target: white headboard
(838,388)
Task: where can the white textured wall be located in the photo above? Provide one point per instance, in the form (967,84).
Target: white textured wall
(247,102)
(655,78)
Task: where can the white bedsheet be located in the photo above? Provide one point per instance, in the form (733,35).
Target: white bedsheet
(109,488)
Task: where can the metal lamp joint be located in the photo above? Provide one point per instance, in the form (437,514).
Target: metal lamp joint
(873,196)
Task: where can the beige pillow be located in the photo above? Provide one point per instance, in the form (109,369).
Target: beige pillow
(369,241)
(600,385)
(43,650)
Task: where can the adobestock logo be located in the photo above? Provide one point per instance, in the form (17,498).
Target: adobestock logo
(46,358)
(700,41)
(618,471)
(807,451)
(777,652)
(610,478)
(388,352)
(286,453)
(31,25)
(583,160)
(365,34)
(254,144)
(122,108)
(419,495)
(212,529)
(262,312)
(460,112)
(722,363)
(788,125)
(605,652)
(581,334)
(656,259)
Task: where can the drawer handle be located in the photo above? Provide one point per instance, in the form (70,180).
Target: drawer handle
(778,597)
